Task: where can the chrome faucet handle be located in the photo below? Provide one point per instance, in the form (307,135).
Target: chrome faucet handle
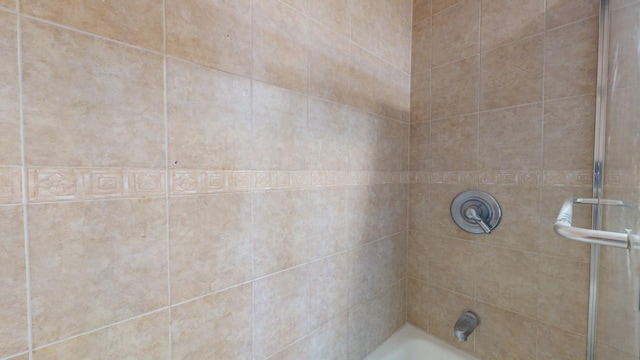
(473,215)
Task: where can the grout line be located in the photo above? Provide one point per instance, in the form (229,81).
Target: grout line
(166,171)
(24,182)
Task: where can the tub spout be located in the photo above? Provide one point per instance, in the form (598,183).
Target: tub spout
(465,325)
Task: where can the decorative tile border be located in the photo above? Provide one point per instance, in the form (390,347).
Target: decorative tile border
(504,177)
(10,185)
(67,184)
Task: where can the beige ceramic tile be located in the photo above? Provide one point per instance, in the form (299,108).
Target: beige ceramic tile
(9,91)
(419,208)
(605,351)
(364,214)
(520,222)
(550,243)
(421,97)
(418,256)
(96,239)
(560,12)
(507,279)
(375,267)
(623,107)
(454,264)
(394,101)
(210,241)
(209,116)
(217,326)
(328,230)
(280,48)
(329,58)
(329,135)
(554,344)
(330,341)
(512,74)
(402,7)
(504,335)
(279,128)
(393,146)
(439,5)
(568,133)
(511,139)
(421,48)
(147,336)
(395,40)
(445,308)
(421,10)
(363,149)
(418,303)
(393,205)
(420,147)
(280,310)
(105,109)
(455,32)
(563,279)
(280,230)
(504,21)
(364,80)
(20,357)
(297,350)
(454,144)
(300,5)
(9,4)
(13,303)
(137,22)
(215,33)
(334,14)
(328,289)
(623,37)
(454,88)
(365,24)
(571,59)
(377,319)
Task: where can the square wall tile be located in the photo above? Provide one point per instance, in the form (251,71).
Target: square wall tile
(454,144)
(505,21)
(445,308)
(297,350)
(419,207)
(554,343)
(120,248)
(393,144)
(328,290)
(280,311)
(9,4)
(210,241)
(511,139)
(571,60)
(334,14)
(440,5)
(329,341)
(280,230)
(280,129)
(560,12)
(215,33)
(512,74)
(421,10)
(364,214)
(364,80)
(209,115)
(418,303)
(13,302)
(328,231)
(328,135)
(329,58)
(280,45)
(569,130)
(365,27)
(421,97)
(455,32)
(9,91)
(137,22)
(454,264)
(104,101)
(454,88)
(418,256)
(623,37)
(504,335)
(394,93)
(147,336)
(395,39)
(420,147)
(421,48)
(216,326)
(363,136)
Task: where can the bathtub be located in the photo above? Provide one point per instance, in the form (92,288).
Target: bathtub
(410,343)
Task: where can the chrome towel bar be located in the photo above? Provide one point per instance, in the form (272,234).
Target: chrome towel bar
(564,228)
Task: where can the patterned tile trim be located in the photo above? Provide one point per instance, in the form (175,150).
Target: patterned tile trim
(10,185)
(505,177)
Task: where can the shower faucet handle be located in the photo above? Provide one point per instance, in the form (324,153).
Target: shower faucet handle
(473,215)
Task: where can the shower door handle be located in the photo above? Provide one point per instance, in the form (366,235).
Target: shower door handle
(564,228)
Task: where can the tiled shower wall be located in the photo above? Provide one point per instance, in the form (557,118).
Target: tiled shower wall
(503,100)
(202,179)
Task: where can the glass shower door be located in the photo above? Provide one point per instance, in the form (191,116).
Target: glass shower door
(617,329)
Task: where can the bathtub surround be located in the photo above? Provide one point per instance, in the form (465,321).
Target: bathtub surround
(502,100)
(203,179)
